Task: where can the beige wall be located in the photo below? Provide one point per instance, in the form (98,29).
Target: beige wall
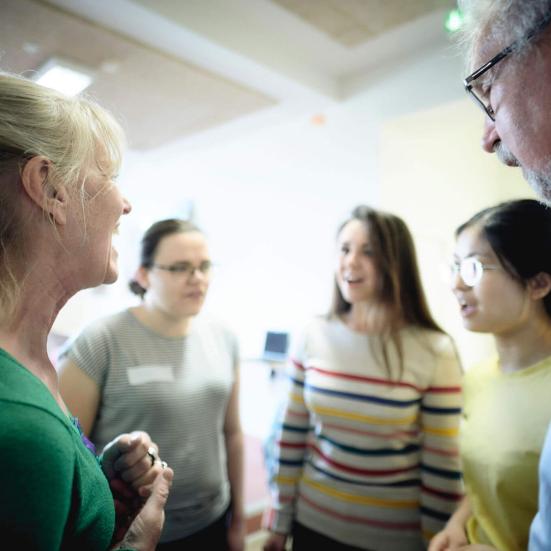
(435,175)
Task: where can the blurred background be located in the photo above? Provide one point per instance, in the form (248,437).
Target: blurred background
(266,122)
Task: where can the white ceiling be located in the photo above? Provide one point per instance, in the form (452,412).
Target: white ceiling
(175,69)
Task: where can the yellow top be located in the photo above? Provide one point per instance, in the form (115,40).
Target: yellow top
(503,429)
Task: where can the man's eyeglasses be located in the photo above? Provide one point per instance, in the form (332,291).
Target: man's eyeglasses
(186,269)
(470,270)
(477,95)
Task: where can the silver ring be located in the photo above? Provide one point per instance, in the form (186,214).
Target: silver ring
(152,452)
(163,465)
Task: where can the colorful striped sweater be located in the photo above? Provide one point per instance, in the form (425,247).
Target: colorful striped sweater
(365,459)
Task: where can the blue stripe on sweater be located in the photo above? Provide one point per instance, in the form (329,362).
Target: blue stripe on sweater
(411,448)
(291,462)
(441,411)
(292,428)
(400,484)
(453,475)
(434,514)
(364,398)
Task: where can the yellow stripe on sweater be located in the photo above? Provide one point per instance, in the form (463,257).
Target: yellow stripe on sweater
(365,418)
(287,480)
(361,500)
(441,432)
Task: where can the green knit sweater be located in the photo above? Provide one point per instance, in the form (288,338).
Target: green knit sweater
(54,495)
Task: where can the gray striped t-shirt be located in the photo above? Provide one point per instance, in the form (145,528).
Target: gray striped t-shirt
(176,389)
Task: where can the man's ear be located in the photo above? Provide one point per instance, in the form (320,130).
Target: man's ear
(35,176)
(142,277)
(539,286)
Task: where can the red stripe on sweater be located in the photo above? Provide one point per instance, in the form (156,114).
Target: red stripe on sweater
(439,493)
(283,444)
(355,470)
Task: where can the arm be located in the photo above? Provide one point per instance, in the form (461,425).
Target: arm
(290,445)
(80,393)
(454,534)
(441,481)
(234,452)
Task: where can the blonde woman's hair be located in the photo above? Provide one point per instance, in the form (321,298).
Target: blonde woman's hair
(72,132)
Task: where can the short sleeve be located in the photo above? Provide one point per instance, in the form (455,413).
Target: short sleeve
(90,351)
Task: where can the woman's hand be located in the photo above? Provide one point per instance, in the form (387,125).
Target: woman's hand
(145,529)
(276,542)
(452,538)
(134,459)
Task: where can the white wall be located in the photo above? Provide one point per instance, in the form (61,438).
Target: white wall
(270,201)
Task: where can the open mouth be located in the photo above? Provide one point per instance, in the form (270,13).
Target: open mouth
(466,308)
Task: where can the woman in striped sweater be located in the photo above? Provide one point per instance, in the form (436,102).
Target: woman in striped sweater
(366,453)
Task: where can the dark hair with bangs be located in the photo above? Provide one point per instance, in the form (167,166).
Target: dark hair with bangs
(519,233)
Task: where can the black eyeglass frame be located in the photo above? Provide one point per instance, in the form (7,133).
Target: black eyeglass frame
(185,268)
(495,60)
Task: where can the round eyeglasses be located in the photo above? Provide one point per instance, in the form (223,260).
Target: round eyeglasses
(470,270)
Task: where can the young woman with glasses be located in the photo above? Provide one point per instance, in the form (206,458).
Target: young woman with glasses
(501,279)
(367,454)
(162,367)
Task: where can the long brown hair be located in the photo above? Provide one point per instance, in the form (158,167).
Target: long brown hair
(401,293)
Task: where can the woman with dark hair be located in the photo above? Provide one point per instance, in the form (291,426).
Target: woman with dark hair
(366,452)
(174,373)
(502,281)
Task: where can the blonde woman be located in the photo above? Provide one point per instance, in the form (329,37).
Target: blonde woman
(59,207)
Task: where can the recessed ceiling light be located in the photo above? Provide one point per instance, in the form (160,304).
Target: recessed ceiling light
(65,76)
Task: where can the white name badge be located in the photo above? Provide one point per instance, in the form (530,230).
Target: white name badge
(150,374)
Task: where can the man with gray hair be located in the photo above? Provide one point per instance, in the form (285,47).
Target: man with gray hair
(508,45)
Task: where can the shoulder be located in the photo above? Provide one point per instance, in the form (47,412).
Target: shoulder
(209,325)
(437,342)
(109,324)
(320,325)
(482,369)
(33,431)
(104,326)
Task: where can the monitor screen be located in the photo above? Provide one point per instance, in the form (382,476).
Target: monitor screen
(275,346)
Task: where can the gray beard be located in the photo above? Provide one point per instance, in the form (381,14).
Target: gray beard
(540,181)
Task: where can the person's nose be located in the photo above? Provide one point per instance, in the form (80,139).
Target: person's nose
(457,283)
(490,137)
(352,259)
(126,206)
